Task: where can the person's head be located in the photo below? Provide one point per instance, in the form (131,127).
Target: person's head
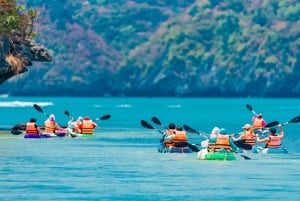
(246,127)
(179,128)
(223,131)
(52,117)
(171,126)
(260,115)
(79,118)
(272,131)
(215,130)
(32,120)
(86,118)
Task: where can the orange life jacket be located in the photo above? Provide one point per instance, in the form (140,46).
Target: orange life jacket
(31,128)
(168,143)
(180,136)
(257,123)
(274,142)
(87,127)
(221,143)
(249,137)
(50,127)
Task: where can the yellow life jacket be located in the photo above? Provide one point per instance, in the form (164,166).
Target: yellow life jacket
(31,128)
(274,142)
(221,143)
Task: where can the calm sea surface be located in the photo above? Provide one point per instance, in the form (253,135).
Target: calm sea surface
(122,162)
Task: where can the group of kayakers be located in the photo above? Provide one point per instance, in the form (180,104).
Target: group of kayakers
(51,127)
(219,139)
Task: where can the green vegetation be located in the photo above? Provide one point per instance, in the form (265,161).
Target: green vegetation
(171,47)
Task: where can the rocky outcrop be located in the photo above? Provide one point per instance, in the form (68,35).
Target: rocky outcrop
(16,54)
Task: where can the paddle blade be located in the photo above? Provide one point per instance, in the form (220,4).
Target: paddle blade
(156,121)
(146,124)
(105,117)
(66,112)
(272,124)
(189,129)
(295,119)
(38,108)
(249,107)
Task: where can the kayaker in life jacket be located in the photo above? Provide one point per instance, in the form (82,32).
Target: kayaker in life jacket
(258,122)
(87,126)
(220,140)
(248,135)
(179,136)
(32,128)
(274,140)
(74,125)
(51,126)
(168,132)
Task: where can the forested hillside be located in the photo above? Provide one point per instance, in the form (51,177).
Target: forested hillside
(165,48)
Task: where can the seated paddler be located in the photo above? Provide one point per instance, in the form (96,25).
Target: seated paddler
(32,128)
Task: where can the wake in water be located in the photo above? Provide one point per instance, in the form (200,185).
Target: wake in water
(23,104)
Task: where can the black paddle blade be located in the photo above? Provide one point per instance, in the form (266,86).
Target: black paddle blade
(66,112)
(38,108)
(146,124)
(189,129)
(249,107)
(105,117)
(241,144)
(156,121)
(272,124)
(295,119)
(194,148)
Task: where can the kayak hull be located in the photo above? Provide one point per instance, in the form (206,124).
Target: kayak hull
(163,149)
(31,136)
(261,150)
(223,155)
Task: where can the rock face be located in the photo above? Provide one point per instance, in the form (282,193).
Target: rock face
(17,54)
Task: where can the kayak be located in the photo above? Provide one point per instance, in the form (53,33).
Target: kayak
(163,149)
(37,136)
(60,133)
(73,134)
(221,155)
(262,150)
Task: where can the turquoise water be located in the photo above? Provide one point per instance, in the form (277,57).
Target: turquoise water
(122,163)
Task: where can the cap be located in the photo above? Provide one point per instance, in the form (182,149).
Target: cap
(171,126)
(215,130)
(260,115)
(32,120)
(86,118)
(223,131)
(52,117)
(79,118)
(247,126)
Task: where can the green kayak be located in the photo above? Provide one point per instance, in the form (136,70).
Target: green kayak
(220,156)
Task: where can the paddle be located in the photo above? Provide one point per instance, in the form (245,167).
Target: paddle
(158,122)
(194,148)
(275,123)
(39,109)
(105,117)
(145,124)
(191,130)
(249,107)
(242,155)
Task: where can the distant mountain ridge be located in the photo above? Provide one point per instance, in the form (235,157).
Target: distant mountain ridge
(166,48)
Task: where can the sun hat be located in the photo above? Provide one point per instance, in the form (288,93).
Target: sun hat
(52,117)
(247,126)
(215,130)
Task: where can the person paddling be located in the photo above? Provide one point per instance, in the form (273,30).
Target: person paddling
(32,129)
(87,126)
(258,123)
(51,126)
(274,140)
(168,132)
